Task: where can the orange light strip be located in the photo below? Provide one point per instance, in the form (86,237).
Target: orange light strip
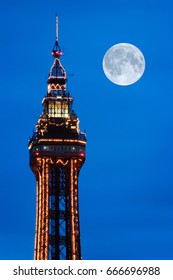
(47,209)
(42,211)
(72,213)
(76,204)
(36,226)
(39,218)
(62,140)
(59,160)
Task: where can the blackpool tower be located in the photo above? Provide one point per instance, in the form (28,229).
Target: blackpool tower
(57,153)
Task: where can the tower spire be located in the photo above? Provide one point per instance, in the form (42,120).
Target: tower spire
(56,52)
(56,28)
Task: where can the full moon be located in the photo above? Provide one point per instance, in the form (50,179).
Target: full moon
(123,64)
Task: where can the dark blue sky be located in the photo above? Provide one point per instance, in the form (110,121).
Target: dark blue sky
(126,184)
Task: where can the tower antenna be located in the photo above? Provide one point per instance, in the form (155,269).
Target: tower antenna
(56,28)
(56,52)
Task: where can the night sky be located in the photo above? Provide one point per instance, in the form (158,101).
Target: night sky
(126,183)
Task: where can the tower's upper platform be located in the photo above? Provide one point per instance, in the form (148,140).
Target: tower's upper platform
(58,122)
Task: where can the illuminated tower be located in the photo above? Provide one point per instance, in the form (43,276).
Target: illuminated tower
(57,152)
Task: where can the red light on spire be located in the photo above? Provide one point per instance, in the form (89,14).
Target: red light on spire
(57,53)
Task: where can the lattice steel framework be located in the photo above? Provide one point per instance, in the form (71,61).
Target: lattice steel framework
(57,152)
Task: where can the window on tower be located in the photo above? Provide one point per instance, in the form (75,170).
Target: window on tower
(57,109)
(64,110)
